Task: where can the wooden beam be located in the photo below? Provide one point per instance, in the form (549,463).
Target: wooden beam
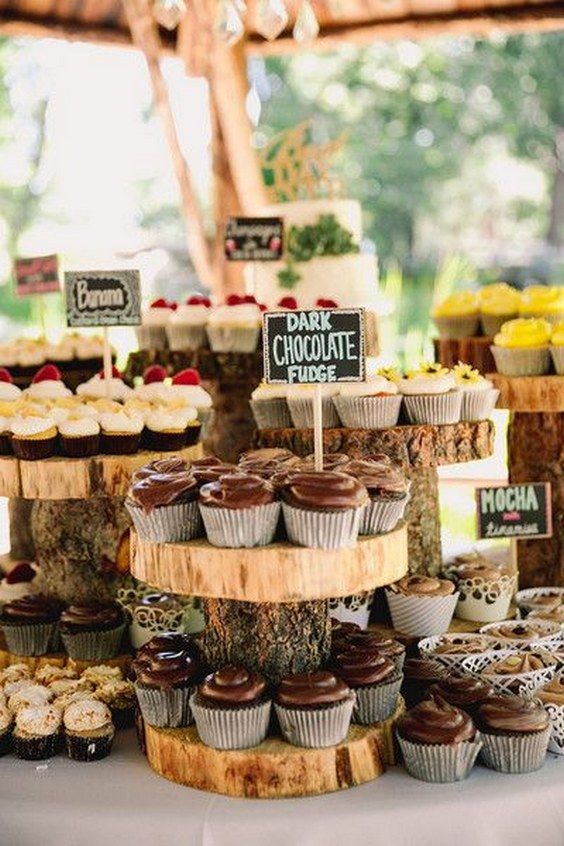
(145,36)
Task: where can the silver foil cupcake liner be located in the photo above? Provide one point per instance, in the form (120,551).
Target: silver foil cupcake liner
(206,416)
(438,409)
(556,714)
(557,354)
(381,515)
(515,753)
(478,405)
(368,412)
(33,639)
(167,523)
(242,339)
(241,527)
(151,337)
(322,529)
(534,361)
(377,702)
(452,326)
(165,708)
(271,414)
(316,727)
(186,337)
(440,763)
(93,646)
(231,728)
(421,616)
(301,412)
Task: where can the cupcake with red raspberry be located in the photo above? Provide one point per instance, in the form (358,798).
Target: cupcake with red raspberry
(314,709)
(152,333)
(239,510)
(154,387)
(186,328)
(186,386)
(47,385)
(236,325)
(97,388)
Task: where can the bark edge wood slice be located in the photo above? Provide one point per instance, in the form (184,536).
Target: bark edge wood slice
(77,478)
(275,769)
(280,572)
(529,393)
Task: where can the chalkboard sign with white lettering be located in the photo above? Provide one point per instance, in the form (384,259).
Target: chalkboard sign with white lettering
(254,239)
(103,298)
(37,275)
(313,346)
(515,511)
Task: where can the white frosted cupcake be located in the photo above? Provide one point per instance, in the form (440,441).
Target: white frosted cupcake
(169,427)
(186,386)
(300,404)
(235,326)
(374,404)
(430,395)
(269,407)
(151,335)
(95,388)
(37,733)
(47,385)
(478,394)
(120,432)
(87,347)
(8,391)
(186,328)
(79,436)
(34,436)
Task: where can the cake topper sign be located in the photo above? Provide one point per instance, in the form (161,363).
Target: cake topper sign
(515,511)
(103,298)
(254,238)
(38,275)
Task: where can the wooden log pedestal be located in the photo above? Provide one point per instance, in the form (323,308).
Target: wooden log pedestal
(420,450)
(58,659)
(474,350)
(275,769)
(536,454)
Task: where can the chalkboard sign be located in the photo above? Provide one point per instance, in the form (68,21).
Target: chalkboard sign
(37,275)
(515,511)
(317,345)
(254,238)
(103,298)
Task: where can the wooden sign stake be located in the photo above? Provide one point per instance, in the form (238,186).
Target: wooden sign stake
(318,426)
(107,362)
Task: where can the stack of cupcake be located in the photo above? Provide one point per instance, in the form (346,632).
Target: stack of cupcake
(24,354)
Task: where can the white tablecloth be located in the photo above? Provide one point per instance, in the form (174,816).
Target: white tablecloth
(121,802)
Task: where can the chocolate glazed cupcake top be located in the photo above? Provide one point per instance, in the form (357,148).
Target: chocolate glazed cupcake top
(312,690)
(267,467)
(364,667)
(325,491)
(435,721)
(462,690)
(278,454)
(167,669)
(511,713)
(422,586)
(33,608)
(363,640)
(331,461)
(173,464)
(420,669)
(99,616)
(169,642)
(166,485)
(232,686)
(237,490)
(210,469)
(382,480)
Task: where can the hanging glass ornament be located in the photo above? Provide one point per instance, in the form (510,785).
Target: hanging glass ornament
(271,18)
(169,13)
(306,27)
(228,25)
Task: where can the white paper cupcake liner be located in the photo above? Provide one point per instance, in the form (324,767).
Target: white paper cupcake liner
(556,714)
(523,684)
(151,337)
(242,339)
(421,616)
(457,327)
(381,515)
(322,529)
(165,708)
(316,727)
(34,639)
(478,405)
(93,646)
(377,702)
(515,753)
(301,412)
(557,354)
(437,409)
(231,728)
(492,323)
(552,639)
(186,337)
(440,763)
(534,361)
(271,414)
(484,601)
(352,609)
(368,412)
(241,527)
(525,599)
(468,661)
(167,523)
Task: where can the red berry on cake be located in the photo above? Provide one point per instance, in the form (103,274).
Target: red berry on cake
(47,373)
(190,376)
(5,375)
(324,303)
(154,373)
(115,373)
(234,299)
(248,298)
(199,300)
(288,302)
(162,303)
(21,572)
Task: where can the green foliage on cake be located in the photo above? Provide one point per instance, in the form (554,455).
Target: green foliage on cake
(325,238)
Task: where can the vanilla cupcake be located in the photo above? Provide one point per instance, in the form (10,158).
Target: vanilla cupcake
(186,385)
(37,733)
(47,385)
(95,388)
(120,432)
(430,395)
(557,348)
(300,404)
(499,303)
(421,606)
(186,328)
(478,394)
(374,404)
(269,407)
(155,386)
(152,333)
(33,437)
(457,316)
(7,413)
(8,391)
(79,436)
(235,326)
(543,301)
(89,730)
(521,348)
(171,427)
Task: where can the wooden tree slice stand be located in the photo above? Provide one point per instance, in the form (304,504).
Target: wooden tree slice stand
(76,478)
(474,350)
(280,572)
(530,393)
(58,659)
(420,449)
(275,769)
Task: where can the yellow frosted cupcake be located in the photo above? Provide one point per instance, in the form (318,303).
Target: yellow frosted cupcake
(557,348)
(522,348)
(457,316)
(498,304)
(546,301)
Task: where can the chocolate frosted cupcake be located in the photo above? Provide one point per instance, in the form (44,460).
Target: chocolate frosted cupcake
(169,642)
(323,510)
(515,732)
(30,624)
(239,510)
(210,469)
(343,641)
(231,709)
(462,691)
(92,632)
(162,501)
(89,731)
(388,490)
(418,676)
(164,682)
(421,606)
(314,709)
(37,733)
(520,672)
(439,742)
(375,681)
(332,461)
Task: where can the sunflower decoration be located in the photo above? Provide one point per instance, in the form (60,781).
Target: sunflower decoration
(466,374)
(389,373)
(430,369)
